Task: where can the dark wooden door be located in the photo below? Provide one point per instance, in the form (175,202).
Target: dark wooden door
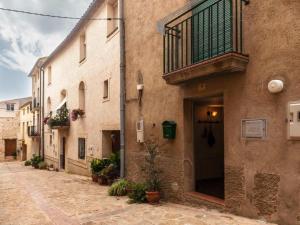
(24,152)
(10,147)
(63,154)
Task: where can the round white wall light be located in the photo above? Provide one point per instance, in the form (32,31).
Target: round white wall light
(275,86)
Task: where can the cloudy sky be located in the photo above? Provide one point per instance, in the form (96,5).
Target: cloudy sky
(25,38)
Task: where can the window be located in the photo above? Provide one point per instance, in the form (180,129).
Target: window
(10,107)
(81,96)
(81,148)
(49,105)
(82,48)
(105,89)
(112,12)
(49,75)
(50,140)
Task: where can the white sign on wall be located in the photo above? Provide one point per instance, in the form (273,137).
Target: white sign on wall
(254,128)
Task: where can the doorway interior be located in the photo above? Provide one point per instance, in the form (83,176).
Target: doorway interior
(63,154)
(208,126)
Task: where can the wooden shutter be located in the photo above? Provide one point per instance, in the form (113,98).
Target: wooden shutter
(211,29)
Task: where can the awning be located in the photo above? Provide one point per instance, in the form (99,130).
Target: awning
(64,101)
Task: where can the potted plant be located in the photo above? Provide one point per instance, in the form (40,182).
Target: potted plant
(76,113)
(60,119)
(96,167)
(102,177)
(35,161)
(153,182)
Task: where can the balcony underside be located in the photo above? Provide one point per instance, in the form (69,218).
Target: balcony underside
(227,63)
(64,127)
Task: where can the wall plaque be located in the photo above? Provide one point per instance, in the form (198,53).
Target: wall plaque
(254,128)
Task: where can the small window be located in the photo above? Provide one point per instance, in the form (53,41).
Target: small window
(10,107)
(82,47)
(105,89)
(81,148)
(50,140)
(112,12)
(49,75)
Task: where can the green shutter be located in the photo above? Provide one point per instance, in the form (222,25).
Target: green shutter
(211,29)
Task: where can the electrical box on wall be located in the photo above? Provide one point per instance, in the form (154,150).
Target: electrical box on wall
(294,120)
(140,131)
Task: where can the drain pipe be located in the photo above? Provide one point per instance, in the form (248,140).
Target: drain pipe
(42,76)
(122,89)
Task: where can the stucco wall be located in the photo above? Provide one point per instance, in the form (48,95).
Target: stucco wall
(268,168)
(101,63)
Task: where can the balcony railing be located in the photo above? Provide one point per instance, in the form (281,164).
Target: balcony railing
(33,131)
(210,29)
(35,104)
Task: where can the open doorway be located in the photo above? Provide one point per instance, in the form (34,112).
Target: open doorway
(209,146)
(63,154)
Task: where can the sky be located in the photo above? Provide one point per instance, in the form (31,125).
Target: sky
(25,38)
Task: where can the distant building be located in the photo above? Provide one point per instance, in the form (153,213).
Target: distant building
(9,127)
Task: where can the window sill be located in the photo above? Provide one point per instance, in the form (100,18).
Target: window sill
(112,34)
(105,99)
(82,61)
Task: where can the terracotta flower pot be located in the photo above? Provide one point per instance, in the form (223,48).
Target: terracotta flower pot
(102,180)
(153,197)
(94,178)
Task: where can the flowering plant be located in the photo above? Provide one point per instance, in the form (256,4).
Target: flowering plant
(76,113)
(45,121)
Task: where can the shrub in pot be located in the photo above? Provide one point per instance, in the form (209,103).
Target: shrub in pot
(35,161)
(152,172)
(118,188)
(137,193)
(96,167)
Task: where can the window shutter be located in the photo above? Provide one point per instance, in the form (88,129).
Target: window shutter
(211,29)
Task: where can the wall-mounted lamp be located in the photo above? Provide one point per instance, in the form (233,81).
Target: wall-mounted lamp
(275,86)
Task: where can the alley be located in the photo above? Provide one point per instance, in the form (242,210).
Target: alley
(36,197)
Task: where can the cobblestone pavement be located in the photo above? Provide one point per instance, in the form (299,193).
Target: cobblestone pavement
(35,197)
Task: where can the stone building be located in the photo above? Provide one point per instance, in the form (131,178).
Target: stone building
(227,73)
(9,127)
(26,133)
(82,76)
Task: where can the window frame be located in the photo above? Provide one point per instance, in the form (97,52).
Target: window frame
(81,152)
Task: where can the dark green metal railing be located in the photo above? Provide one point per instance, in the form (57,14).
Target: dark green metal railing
(210,29)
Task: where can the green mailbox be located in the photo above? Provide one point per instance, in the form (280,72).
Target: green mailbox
(169,129)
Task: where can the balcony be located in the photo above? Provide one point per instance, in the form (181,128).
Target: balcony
(33,131)
(61,120)
(204,41)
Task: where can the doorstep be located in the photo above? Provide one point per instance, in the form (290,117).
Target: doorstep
(199,199)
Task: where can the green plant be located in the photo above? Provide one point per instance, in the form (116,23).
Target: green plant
(35,160)
(137,193)
(151,169)
(96,166)
(60,119)
(42,165)
(118,188)
(27,163)
(115,159)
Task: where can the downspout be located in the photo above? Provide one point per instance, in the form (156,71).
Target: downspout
(122,89)
(42,110)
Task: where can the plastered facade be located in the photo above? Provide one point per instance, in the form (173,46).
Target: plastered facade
(256,168)
(67,73)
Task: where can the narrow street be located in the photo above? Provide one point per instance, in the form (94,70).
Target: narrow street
(36,197)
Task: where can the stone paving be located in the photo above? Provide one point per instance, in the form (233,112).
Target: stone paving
(35,197)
